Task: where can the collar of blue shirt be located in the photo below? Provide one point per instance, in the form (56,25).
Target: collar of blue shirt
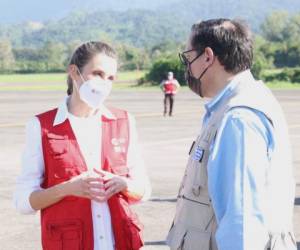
(226,91)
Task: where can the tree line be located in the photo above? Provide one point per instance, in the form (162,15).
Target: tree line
(276,52)
(277,46)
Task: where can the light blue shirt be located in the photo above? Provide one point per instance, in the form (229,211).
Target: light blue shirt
(239,158)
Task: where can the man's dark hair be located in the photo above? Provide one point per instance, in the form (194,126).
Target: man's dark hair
(230,40)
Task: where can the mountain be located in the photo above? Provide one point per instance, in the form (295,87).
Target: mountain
(139,28)
(134,22)
(253,11)
(16,11)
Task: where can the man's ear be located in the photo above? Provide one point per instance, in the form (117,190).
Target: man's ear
(209,55)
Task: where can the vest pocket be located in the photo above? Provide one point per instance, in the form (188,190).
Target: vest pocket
(120,170)
(176,236)
(58,145)
(133,231)
(193,214)
(59,148)
(194,240)
(182,238)
(64,235)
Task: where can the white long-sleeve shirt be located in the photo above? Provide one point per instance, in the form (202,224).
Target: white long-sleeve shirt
(88,134)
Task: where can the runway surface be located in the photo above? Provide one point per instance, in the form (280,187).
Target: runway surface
(165,142)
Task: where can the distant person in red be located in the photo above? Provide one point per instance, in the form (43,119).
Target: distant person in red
(170,87)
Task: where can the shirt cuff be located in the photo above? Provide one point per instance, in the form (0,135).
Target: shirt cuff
(22,203)
(132,187)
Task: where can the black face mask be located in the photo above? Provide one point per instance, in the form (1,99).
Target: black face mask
(193,82)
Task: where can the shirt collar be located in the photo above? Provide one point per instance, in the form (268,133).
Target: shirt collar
(63,113)
(227,90)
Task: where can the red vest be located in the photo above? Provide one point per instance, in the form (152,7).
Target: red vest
(169,87)
(67,225)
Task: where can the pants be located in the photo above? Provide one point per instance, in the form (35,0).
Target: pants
(284,241)
(168,98)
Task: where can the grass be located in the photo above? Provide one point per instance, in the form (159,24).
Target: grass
(57,81)
(268,72)
(279,84)
(124,76)
(130,75)
(33,78)
(283,85)
(60,87)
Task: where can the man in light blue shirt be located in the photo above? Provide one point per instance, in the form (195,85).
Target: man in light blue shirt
(241,160)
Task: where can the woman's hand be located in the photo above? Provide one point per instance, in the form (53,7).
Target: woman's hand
(88,186)
(113,184)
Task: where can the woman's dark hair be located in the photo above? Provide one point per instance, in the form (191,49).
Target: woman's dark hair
(230,40)
(84,53)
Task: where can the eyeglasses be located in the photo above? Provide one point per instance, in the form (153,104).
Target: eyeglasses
(184,59)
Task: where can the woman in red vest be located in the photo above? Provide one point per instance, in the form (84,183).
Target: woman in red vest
(81,164)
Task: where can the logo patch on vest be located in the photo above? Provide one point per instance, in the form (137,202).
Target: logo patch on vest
(118,147)
(198,154)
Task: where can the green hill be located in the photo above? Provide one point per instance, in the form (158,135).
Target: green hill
(137,27)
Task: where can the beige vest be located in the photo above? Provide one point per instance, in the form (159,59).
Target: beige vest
(194,225)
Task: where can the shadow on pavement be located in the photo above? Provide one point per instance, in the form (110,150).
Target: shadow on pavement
(162,200)
(297,200)
(155,243)
(161,243)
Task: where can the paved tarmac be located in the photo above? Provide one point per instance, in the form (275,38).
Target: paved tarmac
(165,142)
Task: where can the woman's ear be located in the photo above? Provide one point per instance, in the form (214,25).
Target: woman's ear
(72,71)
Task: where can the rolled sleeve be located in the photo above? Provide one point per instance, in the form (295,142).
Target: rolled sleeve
(32,166)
